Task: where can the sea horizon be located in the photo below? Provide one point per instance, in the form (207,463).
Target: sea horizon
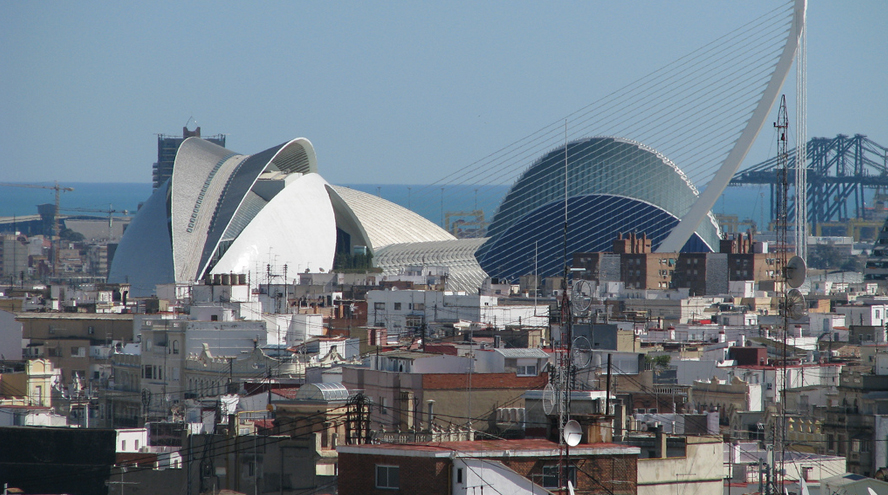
(431,201)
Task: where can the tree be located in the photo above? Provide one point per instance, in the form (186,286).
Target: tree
(70,235)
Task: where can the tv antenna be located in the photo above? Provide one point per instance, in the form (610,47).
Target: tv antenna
(581,353)
(581,297)
(548,399)
(794,306)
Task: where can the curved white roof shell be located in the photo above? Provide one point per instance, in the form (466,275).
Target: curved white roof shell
(223,212)
(379,222)
(299,218)
(458,255)
(244,196)
(142,258)
(220,211)
(196,189)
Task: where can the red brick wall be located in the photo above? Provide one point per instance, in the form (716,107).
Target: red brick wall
(600,475)
(496,381)
(418,475)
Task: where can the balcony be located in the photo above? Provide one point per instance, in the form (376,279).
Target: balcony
(678,391)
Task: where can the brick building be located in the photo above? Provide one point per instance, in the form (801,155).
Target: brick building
(501,466)
(405,400)
(634,263)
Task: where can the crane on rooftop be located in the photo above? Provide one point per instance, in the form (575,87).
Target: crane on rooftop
(56,228)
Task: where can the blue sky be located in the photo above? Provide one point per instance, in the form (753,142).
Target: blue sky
(388,92)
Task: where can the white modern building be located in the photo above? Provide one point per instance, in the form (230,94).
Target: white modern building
(402,311)
(225,213)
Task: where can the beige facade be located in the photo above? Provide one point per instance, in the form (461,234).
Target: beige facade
(737,395)
(700,472)
(40,327)
(122,399)
(32,387)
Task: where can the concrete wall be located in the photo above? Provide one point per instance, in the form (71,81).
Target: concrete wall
(700,472)
(10,336)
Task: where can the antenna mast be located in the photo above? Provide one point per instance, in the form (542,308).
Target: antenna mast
(782,126)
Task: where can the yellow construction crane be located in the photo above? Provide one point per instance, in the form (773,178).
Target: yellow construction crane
(56,228)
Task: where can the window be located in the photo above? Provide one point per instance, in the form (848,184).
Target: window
(383,408)
(550,476)
(459,475)
(123,445)
(419,306)
(91,330)
(526,370)
(146,372)
(380,306)
(175,347)
(397,306)
(387,477)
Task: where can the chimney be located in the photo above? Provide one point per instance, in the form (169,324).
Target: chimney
(431,405)
(660,443)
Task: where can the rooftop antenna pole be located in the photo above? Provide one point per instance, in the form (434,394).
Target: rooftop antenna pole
(565,201)
(564,354)
(782,126)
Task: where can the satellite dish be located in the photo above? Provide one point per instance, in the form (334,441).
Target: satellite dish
(795,272)
(581,352)
(573,433)
(548,399)
(794,305)
(581,297)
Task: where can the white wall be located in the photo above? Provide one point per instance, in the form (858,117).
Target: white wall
(872,315)
(224,338)
(493,476)
(131,439)
(701,472)
(304,327)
